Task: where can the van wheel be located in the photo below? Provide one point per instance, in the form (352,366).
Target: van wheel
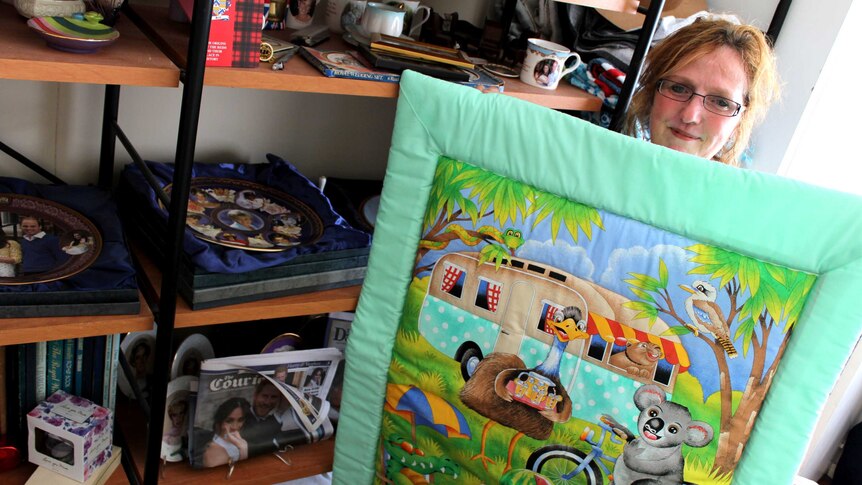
(469,361)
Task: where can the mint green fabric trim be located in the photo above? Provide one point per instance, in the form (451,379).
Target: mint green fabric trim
(759,215)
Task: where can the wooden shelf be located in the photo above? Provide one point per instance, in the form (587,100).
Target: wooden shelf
(21,474)
(300,76)
(131,60)
(337,300)
(306,460)
(38,329)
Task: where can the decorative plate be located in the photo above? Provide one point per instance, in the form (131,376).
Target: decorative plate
(80,34)
(246,215)
(283,343)
(187,361)
(177,412)
(139,349)
(68,245)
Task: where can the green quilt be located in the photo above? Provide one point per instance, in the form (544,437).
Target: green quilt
(549,302)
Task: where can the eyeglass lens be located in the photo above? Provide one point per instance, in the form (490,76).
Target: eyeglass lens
(714,104)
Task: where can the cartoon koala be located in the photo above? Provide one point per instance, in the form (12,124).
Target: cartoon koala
(656,456)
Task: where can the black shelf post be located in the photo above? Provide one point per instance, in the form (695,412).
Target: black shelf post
(186,138)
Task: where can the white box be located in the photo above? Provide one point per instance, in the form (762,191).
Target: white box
(70,435)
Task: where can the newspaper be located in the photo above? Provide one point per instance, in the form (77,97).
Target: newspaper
(255,404)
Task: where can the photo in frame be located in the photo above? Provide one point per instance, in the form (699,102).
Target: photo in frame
(560,264)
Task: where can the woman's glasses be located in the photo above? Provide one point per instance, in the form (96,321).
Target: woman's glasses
(712,103)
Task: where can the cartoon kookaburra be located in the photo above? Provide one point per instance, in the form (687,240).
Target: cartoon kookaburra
(707,316)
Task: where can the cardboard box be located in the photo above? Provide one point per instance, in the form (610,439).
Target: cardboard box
(70,435)
(235,32)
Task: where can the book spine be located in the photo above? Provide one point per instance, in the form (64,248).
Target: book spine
(53,368)
(79,366)
(30,380)
(68,364)
(87,371)
(98,369)
(106,372)
(41,356)
(22,389)
(115,368)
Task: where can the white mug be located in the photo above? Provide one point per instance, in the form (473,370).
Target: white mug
(414,18)
(545,63)
(383,19)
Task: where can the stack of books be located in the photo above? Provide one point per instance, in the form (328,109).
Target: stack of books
(385,57)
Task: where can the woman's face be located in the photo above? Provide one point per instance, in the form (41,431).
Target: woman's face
(233,422)
(687,126)
(177,418)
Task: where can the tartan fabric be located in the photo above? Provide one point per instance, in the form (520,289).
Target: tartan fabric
(247,33)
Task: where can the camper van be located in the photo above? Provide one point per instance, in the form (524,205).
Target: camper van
(471,310)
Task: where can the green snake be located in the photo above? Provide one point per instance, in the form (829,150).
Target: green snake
(403,455)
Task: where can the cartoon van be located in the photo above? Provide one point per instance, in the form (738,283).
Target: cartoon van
(471,310)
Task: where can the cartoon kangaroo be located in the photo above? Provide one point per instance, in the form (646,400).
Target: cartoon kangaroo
(655,458)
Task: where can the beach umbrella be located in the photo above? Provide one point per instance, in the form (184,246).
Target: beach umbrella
(422,408)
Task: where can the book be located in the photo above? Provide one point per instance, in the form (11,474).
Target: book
(79,365)
(346,64)
(44,476)
(41,349)
(115,368)
(69,359)
(484,81)
(106,372)
(399,63)
(54,368)
(420,50)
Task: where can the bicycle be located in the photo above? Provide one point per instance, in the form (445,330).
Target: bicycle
(565,465)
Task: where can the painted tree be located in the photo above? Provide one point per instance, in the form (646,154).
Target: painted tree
(765,302)
(451,202)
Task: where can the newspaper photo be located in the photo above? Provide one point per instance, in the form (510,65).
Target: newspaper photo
(255,404)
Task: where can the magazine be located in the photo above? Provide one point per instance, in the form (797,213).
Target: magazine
(346,64)
(256,404)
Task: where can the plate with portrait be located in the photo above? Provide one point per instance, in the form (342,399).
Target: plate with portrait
(192,351)
(282,343)
(42,241)
(139,350)
(247,215)
(176,421)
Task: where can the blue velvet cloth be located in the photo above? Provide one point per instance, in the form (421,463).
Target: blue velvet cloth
(113,268)
(278,174)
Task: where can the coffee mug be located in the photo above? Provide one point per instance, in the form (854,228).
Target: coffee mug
(383,19)
(415,16)
(545,63)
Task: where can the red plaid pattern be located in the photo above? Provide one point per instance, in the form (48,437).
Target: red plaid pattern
(247,33)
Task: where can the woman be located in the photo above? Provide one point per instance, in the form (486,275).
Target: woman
(227,446)
(172,439)
(78,244)
(10,256)
(704,88)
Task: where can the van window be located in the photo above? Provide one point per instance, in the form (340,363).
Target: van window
(453,280)
(549,309)
(598,347)
(488,294)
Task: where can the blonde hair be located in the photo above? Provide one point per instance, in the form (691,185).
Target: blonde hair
(690,43)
